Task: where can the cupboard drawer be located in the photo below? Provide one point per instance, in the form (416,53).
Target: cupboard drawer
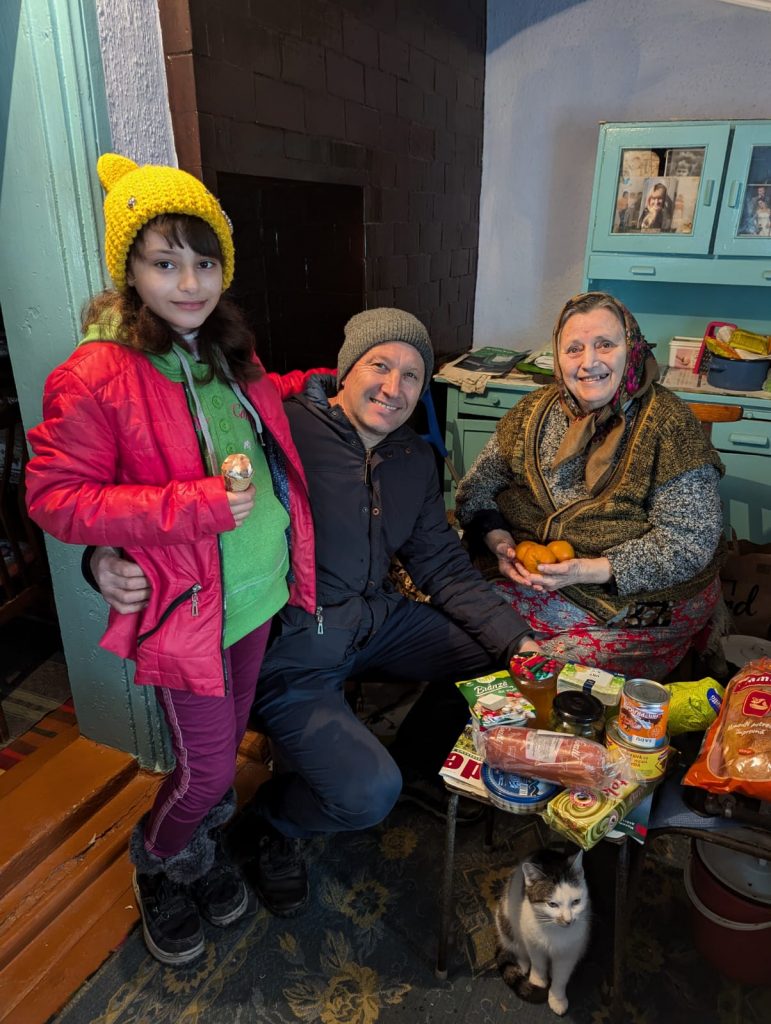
(750,437)
(491,403)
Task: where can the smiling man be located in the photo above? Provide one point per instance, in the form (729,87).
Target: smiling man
(374,491)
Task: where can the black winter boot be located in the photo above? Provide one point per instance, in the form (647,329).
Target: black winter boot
(274,865)
(171,924)
(221,894)
(279,872)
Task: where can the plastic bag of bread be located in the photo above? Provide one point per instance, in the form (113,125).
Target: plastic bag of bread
(571,761)
(736,752)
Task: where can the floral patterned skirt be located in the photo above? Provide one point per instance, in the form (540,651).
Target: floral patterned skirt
(569,633)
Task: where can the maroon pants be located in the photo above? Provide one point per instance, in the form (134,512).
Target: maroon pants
(205,735)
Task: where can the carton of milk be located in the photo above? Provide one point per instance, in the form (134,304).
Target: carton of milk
(600,684)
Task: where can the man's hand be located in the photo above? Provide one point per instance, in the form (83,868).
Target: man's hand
(528,646)
(501,543)
(122,584)
(241,503)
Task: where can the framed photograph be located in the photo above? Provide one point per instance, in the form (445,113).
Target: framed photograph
(684,163)
(639,163)
(756,213)
(628,201)
(658,204)
(684,204)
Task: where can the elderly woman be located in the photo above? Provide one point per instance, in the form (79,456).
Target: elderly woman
(615,464)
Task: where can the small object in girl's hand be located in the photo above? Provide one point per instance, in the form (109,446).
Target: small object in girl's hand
(236,472)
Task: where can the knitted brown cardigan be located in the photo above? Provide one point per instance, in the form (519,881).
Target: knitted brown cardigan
(665,441)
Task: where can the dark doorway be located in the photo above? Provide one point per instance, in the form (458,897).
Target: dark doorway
(299,264)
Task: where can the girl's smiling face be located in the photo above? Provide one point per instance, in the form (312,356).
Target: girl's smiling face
(178,284)
(592,357)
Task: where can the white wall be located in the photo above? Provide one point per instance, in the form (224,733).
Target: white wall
(135,80)
(555,68)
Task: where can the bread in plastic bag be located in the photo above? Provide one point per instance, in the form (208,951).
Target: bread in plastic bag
(736,752)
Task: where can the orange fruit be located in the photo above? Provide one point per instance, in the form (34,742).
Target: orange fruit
(522,547)
(561,549)
(537,554)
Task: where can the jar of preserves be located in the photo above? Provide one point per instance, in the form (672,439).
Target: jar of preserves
(579,714)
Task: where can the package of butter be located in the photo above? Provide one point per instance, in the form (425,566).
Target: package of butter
(585,816)
(600,684)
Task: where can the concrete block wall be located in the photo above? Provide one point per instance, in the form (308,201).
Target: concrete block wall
(383,94)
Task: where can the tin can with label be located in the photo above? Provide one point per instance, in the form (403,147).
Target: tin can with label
(643,713)
(646,764)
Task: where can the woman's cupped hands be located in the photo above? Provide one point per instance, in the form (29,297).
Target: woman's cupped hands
(545,576)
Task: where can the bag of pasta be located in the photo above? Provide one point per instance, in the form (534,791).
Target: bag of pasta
(736,752)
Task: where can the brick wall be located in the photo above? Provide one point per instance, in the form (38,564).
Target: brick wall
(383,94)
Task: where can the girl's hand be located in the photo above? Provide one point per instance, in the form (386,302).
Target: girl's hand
(570,573)
(241,503)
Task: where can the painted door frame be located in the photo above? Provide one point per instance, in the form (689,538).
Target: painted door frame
(53,124)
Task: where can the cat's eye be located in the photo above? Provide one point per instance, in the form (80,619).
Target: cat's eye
(576,902)
(551,903)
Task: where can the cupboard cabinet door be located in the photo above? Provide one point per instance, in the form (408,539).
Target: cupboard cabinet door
(658,188)
(744,227)
(466,439)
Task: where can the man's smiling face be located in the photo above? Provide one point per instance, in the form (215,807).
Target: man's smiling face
(381,390)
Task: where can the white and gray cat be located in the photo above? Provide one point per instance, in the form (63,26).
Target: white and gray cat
(542,921)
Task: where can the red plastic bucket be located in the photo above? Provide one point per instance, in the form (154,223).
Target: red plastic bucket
(730,931)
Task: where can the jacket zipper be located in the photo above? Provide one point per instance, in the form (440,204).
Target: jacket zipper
(191,404)
(320,621)
(192,593)
(368,468)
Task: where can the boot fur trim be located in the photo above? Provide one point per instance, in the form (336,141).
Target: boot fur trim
(192,862)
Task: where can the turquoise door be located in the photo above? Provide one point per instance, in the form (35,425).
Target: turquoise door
(658,188)
(744,227)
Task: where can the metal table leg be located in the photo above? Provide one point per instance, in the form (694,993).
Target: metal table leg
(489,828)
(446,903)
(620,917)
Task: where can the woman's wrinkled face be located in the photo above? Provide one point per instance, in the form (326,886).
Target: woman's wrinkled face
(592,357)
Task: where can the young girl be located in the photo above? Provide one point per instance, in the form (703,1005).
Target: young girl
(164,385)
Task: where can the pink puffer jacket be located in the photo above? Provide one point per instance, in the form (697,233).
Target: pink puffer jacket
(117,462)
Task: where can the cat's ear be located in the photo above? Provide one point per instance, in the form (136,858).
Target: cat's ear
(576,863)
(532,872)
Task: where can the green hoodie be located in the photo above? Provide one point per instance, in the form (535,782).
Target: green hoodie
(255,558)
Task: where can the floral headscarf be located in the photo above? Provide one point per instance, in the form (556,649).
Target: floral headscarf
(599,432)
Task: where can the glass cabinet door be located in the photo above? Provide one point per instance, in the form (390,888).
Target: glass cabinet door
(744,228)
(658,188)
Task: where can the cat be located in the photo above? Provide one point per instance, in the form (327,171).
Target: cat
(542,921)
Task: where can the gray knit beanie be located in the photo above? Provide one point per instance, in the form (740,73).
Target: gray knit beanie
(378,326)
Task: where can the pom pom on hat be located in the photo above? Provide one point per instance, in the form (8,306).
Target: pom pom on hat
(136,195)
(378,326)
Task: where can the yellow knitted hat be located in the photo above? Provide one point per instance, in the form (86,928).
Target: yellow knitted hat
(136,195)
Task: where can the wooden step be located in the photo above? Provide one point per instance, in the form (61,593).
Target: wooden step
(25,769)
(66,900)
(55,801)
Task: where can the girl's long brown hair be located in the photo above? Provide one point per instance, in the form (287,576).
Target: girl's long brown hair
(224,332)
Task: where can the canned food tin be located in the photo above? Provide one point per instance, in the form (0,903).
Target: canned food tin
(646,765)
(643,713)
